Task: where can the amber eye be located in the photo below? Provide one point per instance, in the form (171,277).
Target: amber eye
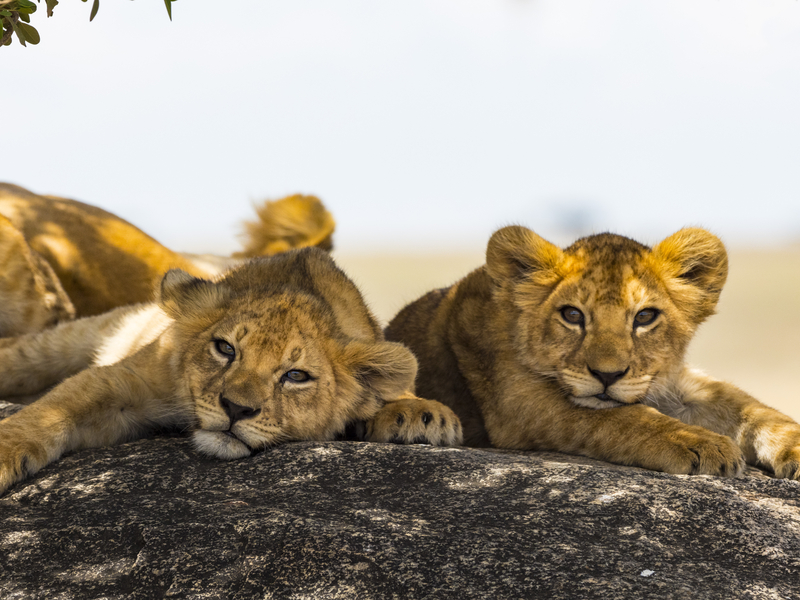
(645,317)
(225,349)
(295,376)
(572,315)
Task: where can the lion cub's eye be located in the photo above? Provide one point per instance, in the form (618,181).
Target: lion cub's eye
(295,376)
(225,348)
(572,315)
(645,317)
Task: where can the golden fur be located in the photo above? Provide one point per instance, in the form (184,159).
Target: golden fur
(81,260)
(582,351)
(281,348)
(31,296)
(292,222)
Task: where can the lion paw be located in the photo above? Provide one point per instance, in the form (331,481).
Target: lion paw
(697,451)
(18,461)
(787,464)
(412,420)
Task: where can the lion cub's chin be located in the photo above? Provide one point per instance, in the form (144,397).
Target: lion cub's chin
(220,444)
(593,402)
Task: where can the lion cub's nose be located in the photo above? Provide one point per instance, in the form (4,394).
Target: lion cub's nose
(237,412)
(608,379)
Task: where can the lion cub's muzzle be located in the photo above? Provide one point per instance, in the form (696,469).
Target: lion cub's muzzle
(229,443)
(607,379)
(237,412)
(595,388)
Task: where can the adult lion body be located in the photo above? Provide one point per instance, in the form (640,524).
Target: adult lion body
(582,351)
(280,348)
(61,258)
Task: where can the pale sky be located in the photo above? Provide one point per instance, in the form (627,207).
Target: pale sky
(422,124)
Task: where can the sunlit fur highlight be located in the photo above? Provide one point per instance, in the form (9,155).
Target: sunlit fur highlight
(60,258)
(31,297)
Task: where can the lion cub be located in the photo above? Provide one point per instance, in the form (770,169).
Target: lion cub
(582,351)
(281,348)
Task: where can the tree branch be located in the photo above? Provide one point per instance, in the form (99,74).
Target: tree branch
(9,32)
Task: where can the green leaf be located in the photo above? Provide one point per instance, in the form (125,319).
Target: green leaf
(20,34)
(168,4)
(30,32)
(51,4)
(5,13)
(95,6)
(24,7)
(24,17)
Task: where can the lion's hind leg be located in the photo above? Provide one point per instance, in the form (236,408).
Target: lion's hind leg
(31,296)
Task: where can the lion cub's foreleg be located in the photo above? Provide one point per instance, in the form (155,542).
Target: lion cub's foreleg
(412,420)
(97,407)
(635,435)
(767,437)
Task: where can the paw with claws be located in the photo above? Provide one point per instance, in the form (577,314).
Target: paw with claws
(20,457)
(697,451)
(412,420)
(786,465)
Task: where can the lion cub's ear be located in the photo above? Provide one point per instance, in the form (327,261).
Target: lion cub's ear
(515,252)
(694,264)
(386,368)
(184,296)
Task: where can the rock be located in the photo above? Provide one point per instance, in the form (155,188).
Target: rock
(153,519)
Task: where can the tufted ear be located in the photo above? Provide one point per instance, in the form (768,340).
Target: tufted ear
(694,265)
(184,296)
(515,252)
(386,368)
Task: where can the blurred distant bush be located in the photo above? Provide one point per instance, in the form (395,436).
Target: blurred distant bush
(15,17)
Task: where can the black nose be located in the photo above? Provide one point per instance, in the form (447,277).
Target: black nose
(608,379)
(237,412)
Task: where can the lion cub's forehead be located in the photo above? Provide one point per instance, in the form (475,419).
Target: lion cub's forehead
(277,327)
(279,309)
(611,269)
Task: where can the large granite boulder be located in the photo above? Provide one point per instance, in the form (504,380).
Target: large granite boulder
(153,519)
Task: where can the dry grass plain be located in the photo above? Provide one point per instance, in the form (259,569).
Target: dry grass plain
(752,341)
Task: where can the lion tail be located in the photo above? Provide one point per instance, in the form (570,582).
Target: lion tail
(292,222)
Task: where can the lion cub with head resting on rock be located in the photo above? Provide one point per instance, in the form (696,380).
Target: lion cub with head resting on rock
(281,348)
(582,351)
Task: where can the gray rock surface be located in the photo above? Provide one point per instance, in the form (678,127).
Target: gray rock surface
(153,519)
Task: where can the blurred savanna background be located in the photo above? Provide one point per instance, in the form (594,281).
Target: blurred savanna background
(425,125)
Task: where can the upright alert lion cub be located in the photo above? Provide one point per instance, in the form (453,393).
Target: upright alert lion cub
(582,351)
(281,348)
